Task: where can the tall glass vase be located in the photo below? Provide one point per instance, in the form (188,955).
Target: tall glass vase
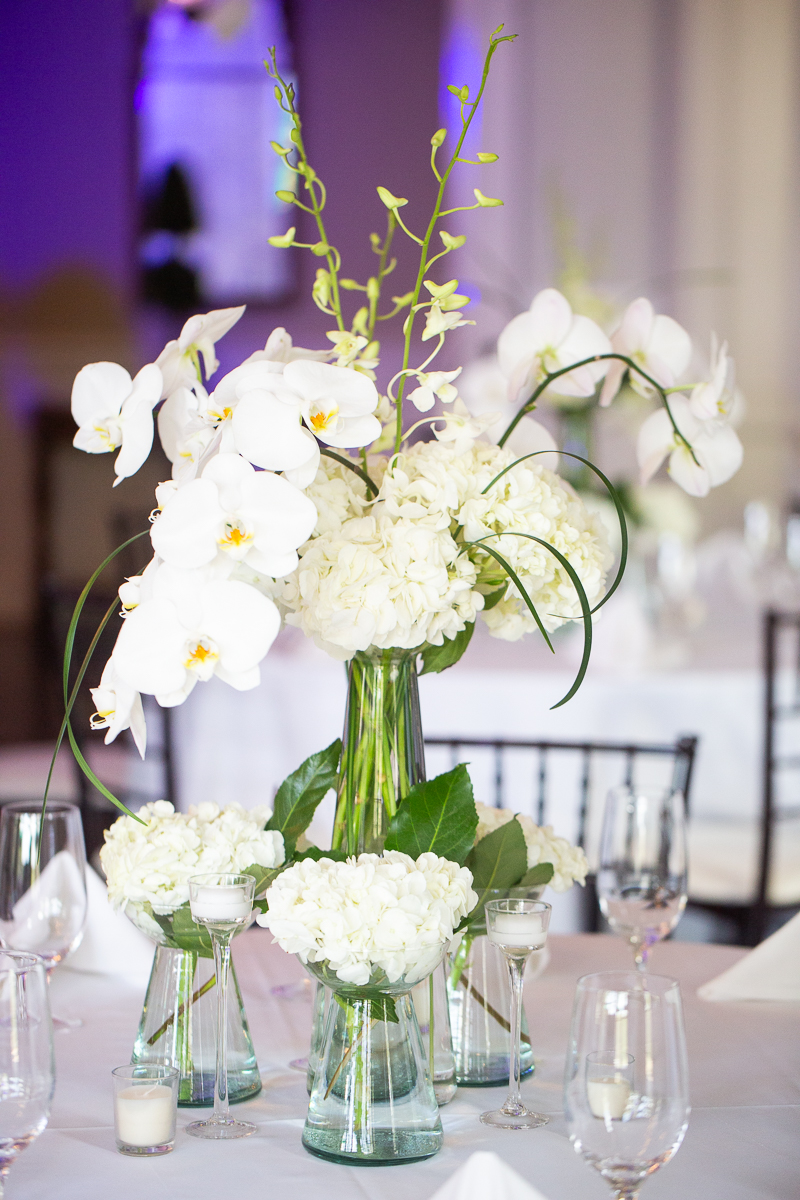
(480,1002)
(372,1101)
(178,1028)
(383,754)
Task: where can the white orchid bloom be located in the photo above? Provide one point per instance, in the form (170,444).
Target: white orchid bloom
(185,435)
(167,645)
(441,320)
(717,449)
(118,707)
(548,338)
(431,385)
(180,360)
(659,345)
(337,404)
(461,428)
(483,389)
(249,515)
(112,410)
(714,398)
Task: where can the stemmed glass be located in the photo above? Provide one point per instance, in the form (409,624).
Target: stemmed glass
(641,877)
(42,882)
(626,1085)
(517,927)
(223,902)
(27,1071)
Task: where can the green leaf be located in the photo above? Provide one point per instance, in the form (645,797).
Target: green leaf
(316,854)
(381,1008)
(493,598)
(438,816)
(537,876)
(439,658)
(262,875)
(186,933)
(300,793)
(500,859)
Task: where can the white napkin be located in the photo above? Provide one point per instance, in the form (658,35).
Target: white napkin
(483,1175)
(53,907)
(111,945)
(769,972)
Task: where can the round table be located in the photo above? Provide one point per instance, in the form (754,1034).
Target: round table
(743,1141)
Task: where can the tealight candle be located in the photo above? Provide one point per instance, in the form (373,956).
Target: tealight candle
(525,930)
(608,1097)
(220,904)
(145,1105)
(144,1115)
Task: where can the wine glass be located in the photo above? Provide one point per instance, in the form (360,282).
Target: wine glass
(626,1084)
(641,877)
(27,1070)
(42,882)
(517,927)
(223,902)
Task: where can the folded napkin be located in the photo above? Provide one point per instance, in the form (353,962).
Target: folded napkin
(111,945)
(484,1175)
(769,972)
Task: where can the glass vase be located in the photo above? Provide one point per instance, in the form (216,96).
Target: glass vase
(383,754)
(178,1028)
(479,997)
(433,1016)
(319,1011)
(372,1102)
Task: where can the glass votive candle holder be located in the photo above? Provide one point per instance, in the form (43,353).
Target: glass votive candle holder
(609,1083)
(145,1108)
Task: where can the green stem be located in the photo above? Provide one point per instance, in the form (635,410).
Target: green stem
(423,261)
(162,1029)
(530,404)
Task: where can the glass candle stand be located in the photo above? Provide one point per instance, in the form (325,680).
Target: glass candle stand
(223,903)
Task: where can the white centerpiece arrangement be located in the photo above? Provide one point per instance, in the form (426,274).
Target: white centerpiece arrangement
(383,521)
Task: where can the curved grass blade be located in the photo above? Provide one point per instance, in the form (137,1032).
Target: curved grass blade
(359,471)
(513,575)
(69,698)
(613,493)
(583,598)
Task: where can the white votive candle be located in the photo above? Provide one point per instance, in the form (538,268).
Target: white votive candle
(145,1114)
(608,1098)
(524,930)
(220,904)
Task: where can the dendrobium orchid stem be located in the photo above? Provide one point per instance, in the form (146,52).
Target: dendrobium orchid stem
(424,262)
(530,404)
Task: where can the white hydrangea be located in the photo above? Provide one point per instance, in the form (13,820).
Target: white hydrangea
(398,570)
(152,863)
(379,582)
(569,862)
(375,913)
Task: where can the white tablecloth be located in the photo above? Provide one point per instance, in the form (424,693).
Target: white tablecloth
(743,1141)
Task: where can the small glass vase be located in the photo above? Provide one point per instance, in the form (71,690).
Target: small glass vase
(433,1016)
(383,754)
(479,997)
(372,1101)
(319,1011)
(178,1028)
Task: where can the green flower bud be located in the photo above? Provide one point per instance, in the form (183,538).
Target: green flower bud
(294,136)
(454,301)
(286,196)
(283,240)
(278,93)
(452,243)
(373,288)
(438,137)
(402,301)
(375,242)
(486,201)
(443,290)
(349,285)
(360,321)
(391,202)
(279,149)
(320,249)
(322,287)
(486,158)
